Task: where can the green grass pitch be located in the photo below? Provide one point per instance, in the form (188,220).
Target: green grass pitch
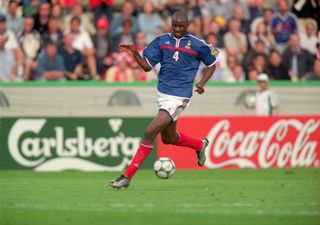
(222,197)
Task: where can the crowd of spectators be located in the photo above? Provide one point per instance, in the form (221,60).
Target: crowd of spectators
(79,39)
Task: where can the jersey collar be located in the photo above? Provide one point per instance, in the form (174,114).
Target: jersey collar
(187,35)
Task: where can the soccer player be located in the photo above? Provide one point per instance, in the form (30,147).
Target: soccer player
(179,54)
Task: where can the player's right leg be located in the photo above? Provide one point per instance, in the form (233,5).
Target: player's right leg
(155,127)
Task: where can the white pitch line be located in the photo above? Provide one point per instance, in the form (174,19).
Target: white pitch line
(182,209)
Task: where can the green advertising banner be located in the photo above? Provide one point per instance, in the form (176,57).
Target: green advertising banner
(57,144)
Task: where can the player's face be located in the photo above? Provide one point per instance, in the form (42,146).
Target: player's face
(179,28)
(263,85)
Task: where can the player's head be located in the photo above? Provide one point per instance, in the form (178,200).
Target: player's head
(179,23)
(263,80)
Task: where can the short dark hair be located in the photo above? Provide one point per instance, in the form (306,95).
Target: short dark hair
(13,1)
(75,18)
(127,22)
(274,51)
(50,43)
(259,54)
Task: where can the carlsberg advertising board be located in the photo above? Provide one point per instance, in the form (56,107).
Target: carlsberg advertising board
(57,144)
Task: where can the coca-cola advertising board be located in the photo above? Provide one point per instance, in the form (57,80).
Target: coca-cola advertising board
(249,142)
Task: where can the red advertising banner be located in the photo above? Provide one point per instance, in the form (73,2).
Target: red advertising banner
(249,142)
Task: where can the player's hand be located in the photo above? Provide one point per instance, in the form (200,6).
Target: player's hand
(199,89)
(127,48)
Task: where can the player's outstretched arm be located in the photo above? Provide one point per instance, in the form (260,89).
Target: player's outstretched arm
(208,72)
(141,61)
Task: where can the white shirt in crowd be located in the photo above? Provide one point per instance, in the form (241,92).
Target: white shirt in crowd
(12,42)
(82,40)
(266,102)
(309,43)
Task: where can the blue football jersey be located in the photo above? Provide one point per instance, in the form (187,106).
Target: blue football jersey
(180,60)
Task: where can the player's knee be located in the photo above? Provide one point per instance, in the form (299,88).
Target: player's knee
(149,134)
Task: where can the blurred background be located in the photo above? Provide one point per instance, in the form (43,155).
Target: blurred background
(277,37)
(66,86)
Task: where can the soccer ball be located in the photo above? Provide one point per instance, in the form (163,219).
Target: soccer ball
(164,167)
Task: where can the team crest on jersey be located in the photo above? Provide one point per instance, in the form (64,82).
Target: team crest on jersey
(188,45)
(214,51)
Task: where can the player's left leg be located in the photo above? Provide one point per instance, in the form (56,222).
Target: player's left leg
(157,125)
(169,135)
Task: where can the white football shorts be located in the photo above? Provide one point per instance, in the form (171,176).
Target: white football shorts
(174,105)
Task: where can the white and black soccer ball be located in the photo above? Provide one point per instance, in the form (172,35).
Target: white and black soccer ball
(164,167)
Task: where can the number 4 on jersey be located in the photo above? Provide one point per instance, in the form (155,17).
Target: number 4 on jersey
(176,56)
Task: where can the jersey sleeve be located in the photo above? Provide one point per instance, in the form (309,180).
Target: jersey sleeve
(208,54)
(152,52)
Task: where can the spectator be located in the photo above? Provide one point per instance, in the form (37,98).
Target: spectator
(30,42)
(223,8)
(50,64)
(56,11)
(221,64)
(11,44)
(121,71)
(139,74)
(14,22)
(235,41)
(277,71)
(237,75)
(219,8)
(72,59)
(238,14)
(83,43)
(309,38)
(101,8)
(41,18)
(116,26)
(193,29)
(215,30)
(149,20)
(172,6)
(252,74)
(30,7)
(199,8)
(259,63)
(235,3)
(67,5)
(266,103)
(265,19)
(258,48)
(7,61)
(264,35)
(315,74)
(297,60)
(101,43)
(127,35)
(86,23)
(196,13)
(140,42)
(223,24)
(53,34)
(283,24)
(255,9)
(227,74)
